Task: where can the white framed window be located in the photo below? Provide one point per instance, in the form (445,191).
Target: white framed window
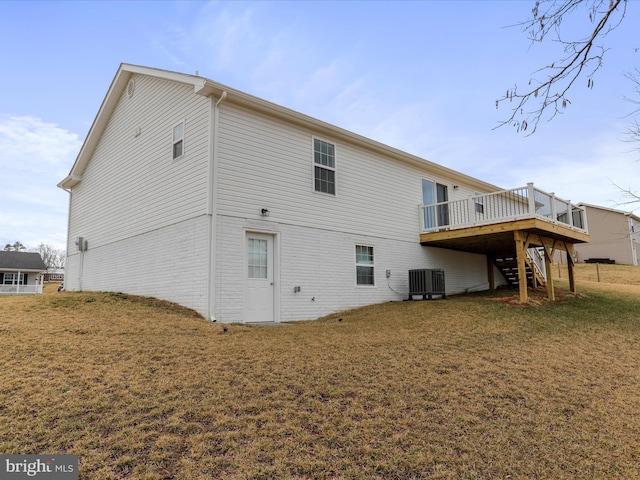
(324,166)
(13,279)
(257,261)
(434,209)
(364,265)
(178,140)
(478,201)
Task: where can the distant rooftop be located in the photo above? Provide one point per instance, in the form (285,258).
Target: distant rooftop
(21,261)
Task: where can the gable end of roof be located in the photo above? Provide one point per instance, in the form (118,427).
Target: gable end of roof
(208,88)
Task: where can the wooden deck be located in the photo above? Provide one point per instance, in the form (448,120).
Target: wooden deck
(512,238)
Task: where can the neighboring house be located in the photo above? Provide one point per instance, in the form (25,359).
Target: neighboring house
(21,273)
(615,236)
(54,275)
(246,211)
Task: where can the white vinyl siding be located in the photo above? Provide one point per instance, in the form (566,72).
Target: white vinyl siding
(256,151)
(131,185)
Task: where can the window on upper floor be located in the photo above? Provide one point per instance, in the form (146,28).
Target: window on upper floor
(178,140)
(324,166)
(364,265)
(478,201)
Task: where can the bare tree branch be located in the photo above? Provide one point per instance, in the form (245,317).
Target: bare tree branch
(631,196)
(52,257)
(632,132)
(583,58)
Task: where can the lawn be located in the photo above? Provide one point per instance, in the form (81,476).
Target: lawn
(464,388)
(604,273)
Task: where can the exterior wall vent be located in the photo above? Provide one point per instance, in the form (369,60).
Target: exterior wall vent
(131,87)
(426,282)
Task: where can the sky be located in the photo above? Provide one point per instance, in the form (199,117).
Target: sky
(420,76)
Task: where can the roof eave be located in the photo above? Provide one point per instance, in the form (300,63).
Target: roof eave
(20,270)
(246,100)
(209,88)
(69,182)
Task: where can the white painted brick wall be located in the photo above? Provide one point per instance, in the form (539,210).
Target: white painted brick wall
(169,263)
(322,264)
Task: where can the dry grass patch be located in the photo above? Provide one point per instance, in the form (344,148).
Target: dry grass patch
(606,273)
(462,388)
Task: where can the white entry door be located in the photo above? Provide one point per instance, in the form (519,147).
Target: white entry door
(259,279)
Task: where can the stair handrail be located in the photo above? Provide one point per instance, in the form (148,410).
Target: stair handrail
(537,260)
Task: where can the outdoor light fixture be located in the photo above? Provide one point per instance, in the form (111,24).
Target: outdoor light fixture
(264,212)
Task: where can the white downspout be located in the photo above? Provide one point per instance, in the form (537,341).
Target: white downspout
(66,260)
(212,207)
(221,99)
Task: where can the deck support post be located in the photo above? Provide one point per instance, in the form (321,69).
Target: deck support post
(522,270)
(551,293)
(570,264)
(492,277)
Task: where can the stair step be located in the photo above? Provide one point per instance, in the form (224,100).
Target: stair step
(508,266)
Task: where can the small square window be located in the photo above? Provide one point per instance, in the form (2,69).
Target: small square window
(178,140)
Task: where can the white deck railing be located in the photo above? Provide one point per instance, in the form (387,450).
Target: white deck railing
(504,206)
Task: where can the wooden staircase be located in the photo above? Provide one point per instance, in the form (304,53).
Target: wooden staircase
(508,266)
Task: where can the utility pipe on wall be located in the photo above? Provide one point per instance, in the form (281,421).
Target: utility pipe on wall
(213,194)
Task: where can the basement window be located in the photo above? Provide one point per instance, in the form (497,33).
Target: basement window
(364,265)
(178,140)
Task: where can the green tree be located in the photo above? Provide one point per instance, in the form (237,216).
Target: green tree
(16,246)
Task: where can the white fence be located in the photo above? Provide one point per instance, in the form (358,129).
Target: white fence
(504,206)
(20,289)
